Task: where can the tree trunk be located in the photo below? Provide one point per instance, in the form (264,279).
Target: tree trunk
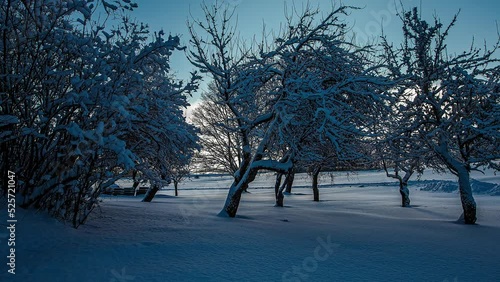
(150,194)
(280,199)
(460,169)
(289,181)
(468,202)
(277,191)
(234,196)
(246,174)
(403,181)
(136,182)
(232,202)
(403,188)
(315,183)
(405,194)
(175,188)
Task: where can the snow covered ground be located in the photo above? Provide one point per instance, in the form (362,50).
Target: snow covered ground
(358,232)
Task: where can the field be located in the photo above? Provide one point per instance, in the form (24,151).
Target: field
(357,232)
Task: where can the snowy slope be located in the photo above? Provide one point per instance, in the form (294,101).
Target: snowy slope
(354,234)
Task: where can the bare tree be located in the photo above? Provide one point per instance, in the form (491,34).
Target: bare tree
(180,171)
(220,140)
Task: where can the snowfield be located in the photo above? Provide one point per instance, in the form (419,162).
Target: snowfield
(357,232)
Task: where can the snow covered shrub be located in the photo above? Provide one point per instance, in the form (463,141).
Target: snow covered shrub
(81,104)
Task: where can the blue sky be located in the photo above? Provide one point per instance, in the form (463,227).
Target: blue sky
(477,19)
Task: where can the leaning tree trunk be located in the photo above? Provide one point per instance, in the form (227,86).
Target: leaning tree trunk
(232,201)
(249,172)
(150,194)
(289,181)
(315,183)
(277,191)
(468,202)
(234,196)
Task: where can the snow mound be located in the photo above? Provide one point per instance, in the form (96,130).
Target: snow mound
(478,187)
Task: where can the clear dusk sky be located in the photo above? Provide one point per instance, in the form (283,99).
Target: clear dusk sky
(477,19)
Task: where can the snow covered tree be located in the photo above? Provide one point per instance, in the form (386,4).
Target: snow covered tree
(449,104)
(82,104)
(222,58)
(307,80)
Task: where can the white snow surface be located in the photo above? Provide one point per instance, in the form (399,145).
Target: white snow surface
(357,232)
